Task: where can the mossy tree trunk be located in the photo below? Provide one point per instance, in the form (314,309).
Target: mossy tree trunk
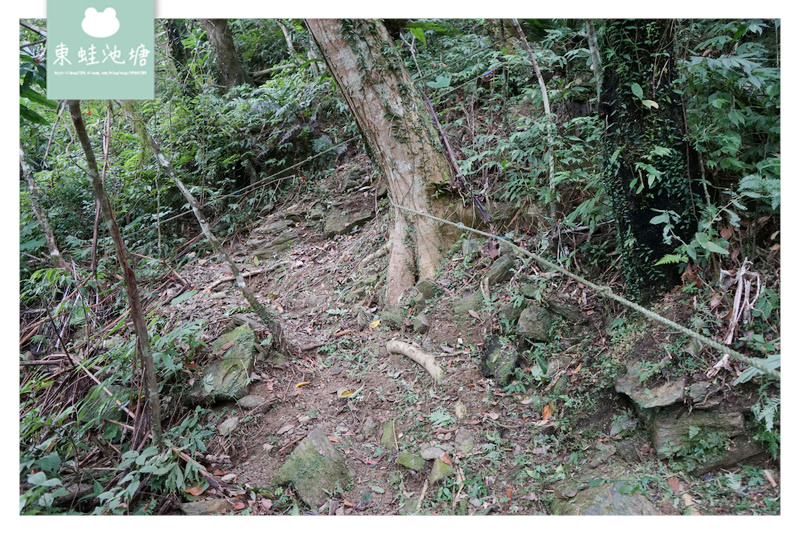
(399,135)
(227,60)
(646,163)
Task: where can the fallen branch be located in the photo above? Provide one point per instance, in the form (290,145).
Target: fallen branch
(244,275)
(426,360)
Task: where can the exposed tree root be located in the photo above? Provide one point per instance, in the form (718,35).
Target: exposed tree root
(426,360)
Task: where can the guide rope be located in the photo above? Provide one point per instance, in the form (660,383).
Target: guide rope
(606,292)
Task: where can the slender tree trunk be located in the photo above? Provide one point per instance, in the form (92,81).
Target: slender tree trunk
(227,60)
(137,313)
(49,237)
(399,134)
(278,340)
(597,64)
(175,30)
(551,164)
(287,36)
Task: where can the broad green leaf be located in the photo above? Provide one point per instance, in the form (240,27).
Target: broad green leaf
(441,82)
(637,90)
(649,103)
(419,33)
(704,241)
(183,297)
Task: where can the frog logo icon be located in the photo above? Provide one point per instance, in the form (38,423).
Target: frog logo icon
(100,25)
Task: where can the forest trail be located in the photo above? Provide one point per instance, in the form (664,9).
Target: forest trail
(498,446)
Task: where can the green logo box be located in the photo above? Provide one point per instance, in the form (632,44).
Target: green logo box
(100,50)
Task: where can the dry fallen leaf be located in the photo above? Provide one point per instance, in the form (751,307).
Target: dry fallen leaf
(196,491)
(508,492)
(332,438)
(285,429)
(374,324)
(238,506)
(302,384)
(474,315)
(266,504)
(445,459)
(547,412)
(675,484)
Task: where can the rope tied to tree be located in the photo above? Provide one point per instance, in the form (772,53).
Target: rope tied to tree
(606,292)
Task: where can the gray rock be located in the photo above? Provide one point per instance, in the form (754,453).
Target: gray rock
(316,469)
(228,427)
(206,507)
(420,324)
(499,359)
(535,323)
(393,318)
(646,397)
(470,246)
(616,498)
(622,424)
(465,441)
(511,312)
(280,243)
(411,461)
(571,313)
(340,221)
(427,288)
(704,395)
(462,306)
(742,447)
(557,364)
(251,401)
(501,270)
(439,471)
(430,452)
(604,452)
(273,227)
(460,410)
(673,429)
(369,426)
(227,378)
(387,437)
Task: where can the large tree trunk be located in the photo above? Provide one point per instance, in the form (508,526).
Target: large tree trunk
(49,237)
(230,70)
(399,134)
(137,313)
(642,111)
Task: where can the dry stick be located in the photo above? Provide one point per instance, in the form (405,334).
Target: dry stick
(266,317)
(422,496)
(548,117)
(61,107)
(106,149)
(244,275)
(453,163)
(139,324)
(426,360)
(606,292)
